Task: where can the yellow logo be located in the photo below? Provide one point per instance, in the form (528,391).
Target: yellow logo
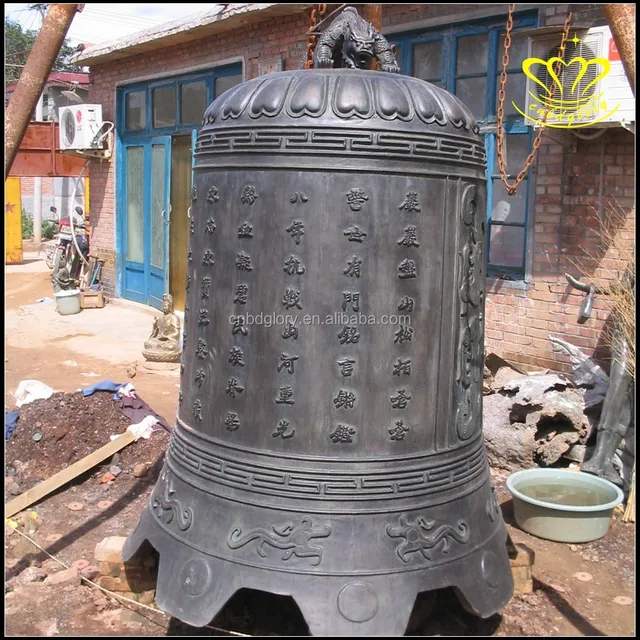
(567,107)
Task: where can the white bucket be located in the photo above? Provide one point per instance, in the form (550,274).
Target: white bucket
(68,302)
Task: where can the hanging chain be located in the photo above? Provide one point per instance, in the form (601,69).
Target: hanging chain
(511,188)
(317,12)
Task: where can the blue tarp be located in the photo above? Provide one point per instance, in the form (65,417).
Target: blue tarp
(104,385)
(10,421)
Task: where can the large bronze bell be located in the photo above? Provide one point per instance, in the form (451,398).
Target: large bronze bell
(331,448)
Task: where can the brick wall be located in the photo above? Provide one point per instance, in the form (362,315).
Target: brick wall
(279,36)
(26,186)
(570,187)
(576,190)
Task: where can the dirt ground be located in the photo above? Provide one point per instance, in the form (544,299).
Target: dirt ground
(65,369)
(579,590)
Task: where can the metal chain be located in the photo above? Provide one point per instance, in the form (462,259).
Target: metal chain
(511,188)
(317,12)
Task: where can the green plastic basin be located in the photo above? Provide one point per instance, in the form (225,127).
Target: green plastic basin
(565,506)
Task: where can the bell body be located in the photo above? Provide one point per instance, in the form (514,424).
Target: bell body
(329,442)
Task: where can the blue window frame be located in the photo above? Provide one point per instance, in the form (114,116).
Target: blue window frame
(147,115)
(155,108)
(466,59)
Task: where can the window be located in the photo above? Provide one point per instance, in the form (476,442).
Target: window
(466,59)
(164,105)
(135,197)
(135,111)
(226,82)
(174,105)
(193,102)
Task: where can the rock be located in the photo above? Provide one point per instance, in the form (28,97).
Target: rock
(531,388)
(493,362)
(509,446)
(65,576)
(147,597)
(14,489)
(132,369)
(129,617)
(32,574)
(107,477)
(140,470)
(100,602)
(532,420)
(573,547)
(81,564)
(91,572)
(50,566)
(47,628)
(31,522)
(110,549)
(504,375)
(586,373)
(53,537)
(115,470)
(576,452)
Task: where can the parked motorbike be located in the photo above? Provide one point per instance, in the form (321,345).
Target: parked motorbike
(49,248)
(72,245)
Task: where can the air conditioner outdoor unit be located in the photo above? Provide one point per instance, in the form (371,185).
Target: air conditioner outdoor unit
(79,126)
(608,101)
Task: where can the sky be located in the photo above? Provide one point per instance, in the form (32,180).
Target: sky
(101,22)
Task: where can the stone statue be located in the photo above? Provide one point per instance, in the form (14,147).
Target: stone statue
(163,344)
(350,42)
(617,408)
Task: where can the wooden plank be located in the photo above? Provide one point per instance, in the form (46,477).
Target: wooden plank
(66,475)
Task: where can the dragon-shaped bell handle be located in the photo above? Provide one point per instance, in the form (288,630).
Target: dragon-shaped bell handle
(350,42)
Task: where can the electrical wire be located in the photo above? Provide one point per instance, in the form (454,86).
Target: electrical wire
(115,18)
(125,16)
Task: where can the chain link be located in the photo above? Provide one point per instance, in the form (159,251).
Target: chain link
(511,188)
(317,12)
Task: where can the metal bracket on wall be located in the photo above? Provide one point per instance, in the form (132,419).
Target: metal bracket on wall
(102,154)
(563,137)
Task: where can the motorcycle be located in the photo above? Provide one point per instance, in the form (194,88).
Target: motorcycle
(49,249)
(73,245)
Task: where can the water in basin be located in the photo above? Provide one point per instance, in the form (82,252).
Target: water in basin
(574,496)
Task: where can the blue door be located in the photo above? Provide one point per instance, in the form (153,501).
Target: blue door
(159,216)
(147,115)
(146,220)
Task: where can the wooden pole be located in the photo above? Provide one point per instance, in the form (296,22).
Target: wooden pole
(34,76)
(622,21)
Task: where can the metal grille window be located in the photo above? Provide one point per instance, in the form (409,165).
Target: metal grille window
(466,59)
